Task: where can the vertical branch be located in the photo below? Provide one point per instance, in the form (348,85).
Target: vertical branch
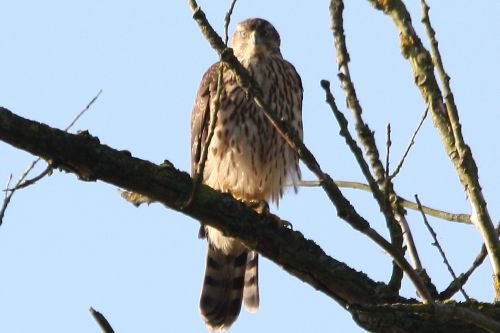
(450,105)
(378,181)
(388,144)
(214,110)
(470,178)
(408,237)
(227,20)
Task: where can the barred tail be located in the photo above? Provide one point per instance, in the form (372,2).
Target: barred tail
(222,290)
(251,291)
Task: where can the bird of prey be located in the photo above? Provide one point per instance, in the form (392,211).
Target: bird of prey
(246,157)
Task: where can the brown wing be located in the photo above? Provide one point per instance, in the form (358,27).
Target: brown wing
(298,90)
(200,117)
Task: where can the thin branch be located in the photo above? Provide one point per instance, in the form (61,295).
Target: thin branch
(7,186)
(460,218)
(438,246)
(388,144)
(410,145)
(462,279)
(227,20)
(6,199)
(22,181)
(31,181)
(89,105)
(409,241)
(469,177)
(443,76)
(101,321)
(351,142)
(382,187)
(214,111)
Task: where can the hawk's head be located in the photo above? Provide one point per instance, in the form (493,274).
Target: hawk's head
(255,37)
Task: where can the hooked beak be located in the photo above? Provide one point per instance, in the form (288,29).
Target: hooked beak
(255,38)
(258,45)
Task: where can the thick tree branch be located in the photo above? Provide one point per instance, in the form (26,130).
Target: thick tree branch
(394,318)
(83,155)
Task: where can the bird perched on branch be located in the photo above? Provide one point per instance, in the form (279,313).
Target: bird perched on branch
(246,157)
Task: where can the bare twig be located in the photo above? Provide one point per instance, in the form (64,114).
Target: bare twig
(214,110)
(462,279)
(438,246)
(31,181)
(73,122)
(7,186)
(6,199)
(101,321)
(350,141)
(22,181)
(412,142)
(227,20)
(344,208)
(388,144)
(409,241)
(460,218)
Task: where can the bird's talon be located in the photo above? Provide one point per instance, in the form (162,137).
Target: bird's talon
(281,223)
(260,206)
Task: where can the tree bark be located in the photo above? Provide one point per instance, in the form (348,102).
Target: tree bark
(371,303)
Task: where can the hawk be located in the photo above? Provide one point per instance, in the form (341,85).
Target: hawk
(246,157)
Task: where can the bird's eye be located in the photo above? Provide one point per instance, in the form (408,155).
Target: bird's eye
(243,34)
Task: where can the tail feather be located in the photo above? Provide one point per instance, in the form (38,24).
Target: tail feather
(251,291)
(222,290)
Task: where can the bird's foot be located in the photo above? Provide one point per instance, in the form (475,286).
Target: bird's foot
(262,207)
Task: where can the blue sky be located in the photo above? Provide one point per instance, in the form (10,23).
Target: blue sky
(66,245)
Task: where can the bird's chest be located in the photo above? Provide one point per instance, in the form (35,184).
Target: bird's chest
(242,129)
